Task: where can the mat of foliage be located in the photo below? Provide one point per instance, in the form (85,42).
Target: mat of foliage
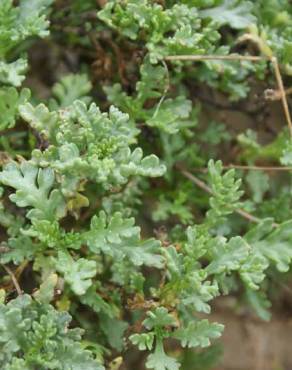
(126,210)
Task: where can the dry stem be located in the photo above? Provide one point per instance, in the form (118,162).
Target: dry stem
(247,168)
(250,58)
(283,93)
(13,278)
(199,58)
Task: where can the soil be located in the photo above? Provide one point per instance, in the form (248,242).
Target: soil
(252,344)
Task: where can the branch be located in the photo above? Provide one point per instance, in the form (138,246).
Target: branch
(198,58)
(13,278)
(283,93)
(247,168)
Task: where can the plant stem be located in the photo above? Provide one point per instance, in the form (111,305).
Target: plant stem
(280,83)
(13,278)
(235,57)
(248,168)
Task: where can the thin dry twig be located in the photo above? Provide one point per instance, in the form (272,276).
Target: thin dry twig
(247,168)
(280,83)
(198,58)
(250,58)
(207,189)
(166,88)
(13,278)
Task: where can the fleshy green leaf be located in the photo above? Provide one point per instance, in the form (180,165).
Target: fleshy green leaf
(13,73)
(158,318)
(34,188)
(228,256)
(77,274)
(198,334)
(46,291)
(70,88)
(160,361)
(235,13)
(225,189)
(10,100)
(118,237)
(42,334)
(143,341)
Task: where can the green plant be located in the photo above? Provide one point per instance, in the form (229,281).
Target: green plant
(103,218)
